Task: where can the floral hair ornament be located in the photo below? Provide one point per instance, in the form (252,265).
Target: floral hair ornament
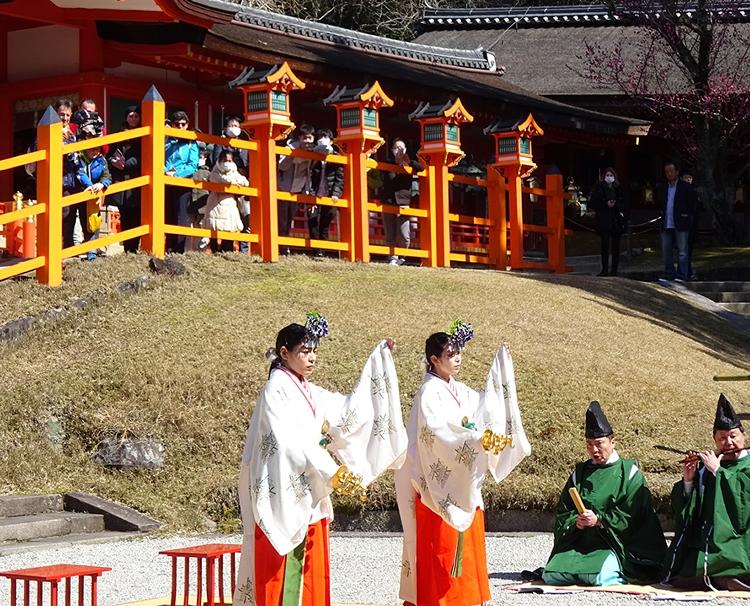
(316,327)
(460,334)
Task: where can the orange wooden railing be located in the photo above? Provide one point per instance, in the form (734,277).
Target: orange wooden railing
(473,240)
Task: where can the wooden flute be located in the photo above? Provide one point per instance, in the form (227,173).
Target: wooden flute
(691,456)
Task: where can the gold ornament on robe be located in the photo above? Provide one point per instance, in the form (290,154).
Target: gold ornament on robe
(349,484)
(495,442)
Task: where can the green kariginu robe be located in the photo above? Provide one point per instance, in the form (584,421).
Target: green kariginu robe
(712,521)
(617,493)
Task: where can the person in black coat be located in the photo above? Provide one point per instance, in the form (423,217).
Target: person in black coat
(608,200)
(125,163)
(678,204)
(327,181)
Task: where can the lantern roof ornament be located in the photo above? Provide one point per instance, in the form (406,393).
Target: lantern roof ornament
(527,127)
(453,110)
(371,95)
(282,77)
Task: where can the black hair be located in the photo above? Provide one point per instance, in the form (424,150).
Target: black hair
(324,132)
(179,115)
(63,103)
(87,100)
(290,336)
(397,139)
(224,153)
(229,118)
(305,129)
(672,162)
(435,345)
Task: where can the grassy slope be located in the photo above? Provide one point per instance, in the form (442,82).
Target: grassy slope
(184,363)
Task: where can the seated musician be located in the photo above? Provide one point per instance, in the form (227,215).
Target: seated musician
(711,546)
(617,538)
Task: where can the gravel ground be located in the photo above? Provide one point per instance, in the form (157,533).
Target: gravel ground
(364,569)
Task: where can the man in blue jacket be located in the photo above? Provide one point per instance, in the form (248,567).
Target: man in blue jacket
(678,203)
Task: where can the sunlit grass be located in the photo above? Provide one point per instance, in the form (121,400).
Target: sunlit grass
(184,363)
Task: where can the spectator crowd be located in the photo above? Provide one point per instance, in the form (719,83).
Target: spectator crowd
(95,169)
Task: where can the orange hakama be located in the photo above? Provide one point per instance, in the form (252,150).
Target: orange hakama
(437,544)
(277,584)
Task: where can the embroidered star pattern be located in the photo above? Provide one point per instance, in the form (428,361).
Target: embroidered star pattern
(445,503)
(299,484)
(382,427)
(406,568)
(466,455)
(268,446)
(377,385)
(347,420)
(426,436)
(246,592)
(422,485)
(263,489)
(439,472)
(506,391)
(387,381)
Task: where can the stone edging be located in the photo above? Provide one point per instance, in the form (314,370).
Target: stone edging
(20,327)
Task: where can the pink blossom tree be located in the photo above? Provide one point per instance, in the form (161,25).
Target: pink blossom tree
(688,65)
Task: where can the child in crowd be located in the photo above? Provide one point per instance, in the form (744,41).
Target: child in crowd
(221,212)
(92,174)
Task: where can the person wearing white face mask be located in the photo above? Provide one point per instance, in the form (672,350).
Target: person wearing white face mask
(608,201)
(327,182)
(221,212)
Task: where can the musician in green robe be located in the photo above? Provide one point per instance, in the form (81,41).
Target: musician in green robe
(618,538)
(711,545)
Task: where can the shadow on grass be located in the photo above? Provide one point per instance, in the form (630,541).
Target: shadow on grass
(665,309)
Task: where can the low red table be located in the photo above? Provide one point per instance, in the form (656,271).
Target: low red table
(213,557)
(54,575)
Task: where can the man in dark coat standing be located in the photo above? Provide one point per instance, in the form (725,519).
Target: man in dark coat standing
(678,205)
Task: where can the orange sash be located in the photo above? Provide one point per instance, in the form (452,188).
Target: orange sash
(436,553)
(270,569)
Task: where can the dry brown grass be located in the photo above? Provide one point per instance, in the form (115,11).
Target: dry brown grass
(184,363)
(24,296)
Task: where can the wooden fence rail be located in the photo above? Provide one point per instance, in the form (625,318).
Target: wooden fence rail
(495,240)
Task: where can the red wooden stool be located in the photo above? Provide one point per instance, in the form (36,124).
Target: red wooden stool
(53,575)
(213,555)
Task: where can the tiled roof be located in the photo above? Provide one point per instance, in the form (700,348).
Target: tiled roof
(469,59)
(546,16)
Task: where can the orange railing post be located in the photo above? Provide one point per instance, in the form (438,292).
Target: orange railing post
(152,163)
(49,174)
(265,218)
(497,211)
(358,135)
(427,225)
(515,212)
(267,120)
(440,149)
(556,221)
(514,158)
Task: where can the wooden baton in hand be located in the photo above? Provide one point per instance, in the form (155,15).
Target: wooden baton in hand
(576,499)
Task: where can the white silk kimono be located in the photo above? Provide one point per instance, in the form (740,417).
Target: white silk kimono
(445,463)
(286,473)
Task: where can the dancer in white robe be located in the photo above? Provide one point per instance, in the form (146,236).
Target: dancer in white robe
(456,436)
(304,442)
